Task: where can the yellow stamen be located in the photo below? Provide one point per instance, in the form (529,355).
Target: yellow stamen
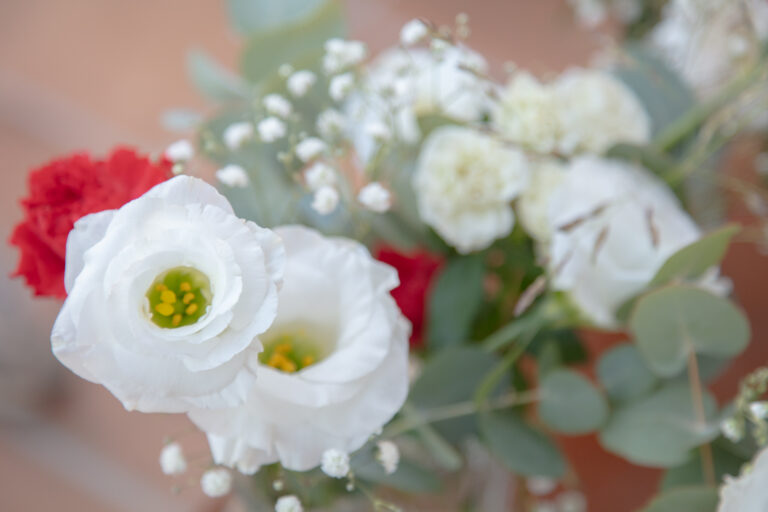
(161,287)
(307,360)
(283,348)
(168,296)
(188,297)
(191,309)
(185,287)
(276,360)
(176,320)
(288,366)
(164,309)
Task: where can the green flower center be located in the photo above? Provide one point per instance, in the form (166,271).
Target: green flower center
(293,349)
(178,297)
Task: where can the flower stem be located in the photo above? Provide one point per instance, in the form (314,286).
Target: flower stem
(707,461)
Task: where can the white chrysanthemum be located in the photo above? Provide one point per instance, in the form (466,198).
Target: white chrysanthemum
(331,123)
(325,200)
(301,82)
(404,85)
(236,134)
(277,105)
(748,492)
(180,151)
(335,365)
(216,482)
(613,225)
(341,86)
(172,460)
(533,204)
(288,503)
(233,175)
(341,54)
(597,111)
(310,148)
(271,129)
(320,175)
(527,113)
(335,463)
(375,197)
(413,32)
(388,455)
(166,297)
(465,182)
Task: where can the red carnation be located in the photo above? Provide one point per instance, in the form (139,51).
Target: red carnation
(416,271)
(65,190)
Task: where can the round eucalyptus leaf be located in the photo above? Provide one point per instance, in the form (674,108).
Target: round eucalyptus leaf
(569,403)
(624,374)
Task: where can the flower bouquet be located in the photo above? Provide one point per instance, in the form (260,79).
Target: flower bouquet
(386,301)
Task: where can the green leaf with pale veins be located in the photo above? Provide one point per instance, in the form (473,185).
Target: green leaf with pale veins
(569,403)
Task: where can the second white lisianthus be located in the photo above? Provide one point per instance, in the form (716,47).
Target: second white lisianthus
(465,182)
(166,298)
(335,365)
(748,492)
(613,225)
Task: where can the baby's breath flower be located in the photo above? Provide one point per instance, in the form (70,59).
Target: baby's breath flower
(341,86)
(375,197)
(301,82)
(379,131)
(341,54)
(540,485)
(388,455)
(288,503)
(236,134)
(330,123)
(319,175)
(335,463)
(271,129)
(285,70)
(180,151)
(310,148)
(172,459)
(732,430)
(216,482)
(326,200)
(277,105)
(232,175)
(759,409)
(413,32)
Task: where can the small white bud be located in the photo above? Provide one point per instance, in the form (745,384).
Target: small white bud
(375,197)
(379,131)
(271,129)
(236,134)
(331,123)
(288,503)
(350,487)
(413,32)
(325,200)
(540,485)
(341,86)
(178,168)
(232,176)
(278,485)
(285,70)
(572,501)
(310,148)
(341,54)
(180,151)
(319,175)
(300,83)
(335,463)
(277,105)
(172,459)
(438,46)
(732,430)
(388,455)
(759,409)
(216,482)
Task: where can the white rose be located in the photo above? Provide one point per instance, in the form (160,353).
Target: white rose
(748,492)
(533,205)
(597,111)
(613,225)
(166,297)
(465,182)
(335,366)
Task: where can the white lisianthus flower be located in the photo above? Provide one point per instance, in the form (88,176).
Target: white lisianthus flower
(325,200)
(341,86)
(180,151)
(341,54)
(320,175)
(236,134)
(388,455)
(277,105)
(465,182)
(300,82)
(310,148)
(335,365)
(172,460)
(413,32)
(233,175)
(216,482)
(288,503)
(375,197)
(335,463)
(546,174)
(597,111)
(271,129)
(748,492)
(166,297)
(613,226)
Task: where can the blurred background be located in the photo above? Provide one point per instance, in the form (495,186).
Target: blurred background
(90,74)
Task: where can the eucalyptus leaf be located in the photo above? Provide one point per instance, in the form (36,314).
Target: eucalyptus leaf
(409,477)
(569,403)
(671,322)
(455,301)
(521,448)
(624,374)
(659,430)
(694,259)
(726,461)
(213,80)
(250,16)
(685,499)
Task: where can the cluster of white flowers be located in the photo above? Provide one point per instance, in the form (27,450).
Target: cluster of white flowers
(591,13)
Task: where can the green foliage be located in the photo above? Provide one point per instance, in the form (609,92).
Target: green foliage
(727,461)
(455,300)
(521,448)
(409,477)
(250,16)
(685,499)
(660,429)
(569,403)
(672,322)
(624,374)
(212,80)
(694,259)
